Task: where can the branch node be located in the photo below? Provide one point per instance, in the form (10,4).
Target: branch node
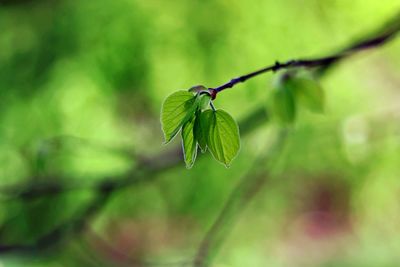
(213,93)
(276,67)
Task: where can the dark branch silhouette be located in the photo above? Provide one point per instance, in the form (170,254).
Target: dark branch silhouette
(383,35)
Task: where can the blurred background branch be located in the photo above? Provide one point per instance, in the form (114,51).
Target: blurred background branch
(246,190)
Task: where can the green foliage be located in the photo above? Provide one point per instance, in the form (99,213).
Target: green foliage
(308,91)
(189,143)
(223,138)
(81,112)
(202,127)
(200,133)
(205,100)
(177,109)
(284,104)
(295,89)
(217,130)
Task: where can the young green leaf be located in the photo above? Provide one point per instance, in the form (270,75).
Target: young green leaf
(309,92)
(177,109)
(200,132)
(204,101)
(223,138)
(189,143)
(284,105)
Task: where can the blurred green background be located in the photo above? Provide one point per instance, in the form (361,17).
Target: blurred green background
(81,87)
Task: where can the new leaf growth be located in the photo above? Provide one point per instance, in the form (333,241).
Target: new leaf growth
(188,112)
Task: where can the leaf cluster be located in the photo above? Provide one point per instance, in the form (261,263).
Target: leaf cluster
(294,89)
(204,128)
(189,113)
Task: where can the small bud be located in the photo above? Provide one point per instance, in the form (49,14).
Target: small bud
(197,88)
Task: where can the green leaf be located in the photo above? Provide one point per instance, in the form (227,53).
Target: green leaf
(204,101)
(283,104)
(223,138)
(189,143)
(308,92)
(200,132)
(177,109)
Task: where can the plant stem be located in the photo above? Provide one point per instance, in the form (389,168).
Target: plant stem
(384,35)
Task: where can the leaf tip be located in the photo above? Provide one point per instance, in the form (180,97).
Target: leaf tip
(189,166)
(166,140)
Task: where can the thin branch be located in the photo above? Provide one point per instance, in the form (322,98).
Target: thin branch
(385,34)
